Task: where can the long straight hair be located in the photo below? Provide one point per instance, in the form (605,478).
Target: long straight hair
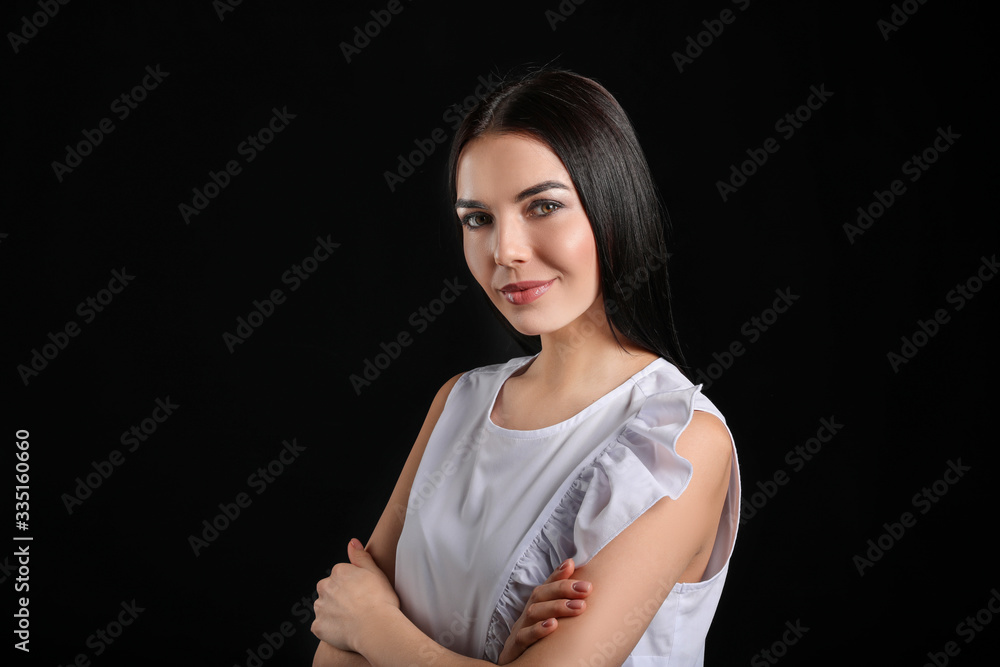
(583,124)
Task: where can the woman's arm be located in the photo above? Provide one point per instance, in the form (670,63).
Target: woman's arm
(631,577)
(557,597)
(328,656)
(385,537)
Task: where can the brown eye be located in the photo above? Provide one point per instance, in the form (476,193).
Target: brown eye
(546,207)
(475,220)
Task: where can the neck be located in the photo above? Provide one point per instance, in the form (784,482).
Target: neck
(586,350)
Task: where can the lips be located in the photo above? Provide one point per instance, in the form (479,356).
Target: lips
(525,291)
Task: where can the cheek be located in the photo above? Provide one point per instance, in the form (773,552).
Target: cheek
(580,249)
(477,258)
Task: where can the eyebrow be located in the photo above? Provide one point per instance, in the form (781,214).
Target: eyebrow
(521,196)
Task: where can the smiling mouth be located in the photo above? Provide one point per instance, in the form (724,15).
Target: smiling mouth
(525,292)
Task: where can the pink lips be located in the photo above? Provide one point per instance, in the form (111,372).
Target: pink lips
(526,291)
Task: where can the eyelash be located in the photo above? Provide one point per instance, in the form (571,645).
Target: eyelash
(466,219)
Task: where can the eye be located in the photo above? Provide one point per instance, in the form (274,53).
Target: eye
(475,220)
(543,208)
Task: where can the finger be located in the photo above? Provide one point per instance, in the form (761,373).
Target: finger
(542,611)
(564,571)
(530,634)
(545,590)
(525,637)
(569,589)
(358,556)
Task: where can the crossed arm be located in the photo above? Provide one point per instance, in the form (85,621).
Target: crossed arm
(559,596)
(358,617)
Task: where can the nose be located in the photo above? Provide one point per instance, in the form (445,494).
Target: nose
(511,241)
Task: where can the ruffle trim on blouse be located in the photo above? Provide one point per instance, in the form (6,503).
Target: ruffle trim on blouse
(614,487)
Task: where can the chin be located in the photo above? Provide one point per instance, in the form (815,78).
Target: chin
(533,324)
(527,329)
(530,332)
(524,325)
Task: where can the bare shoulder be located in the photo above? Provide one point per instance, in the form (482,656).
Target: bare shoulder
(442,394)
(430,421)
(706,443)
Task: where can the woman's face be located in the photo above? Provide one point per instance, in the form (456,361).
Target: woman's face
(527,239)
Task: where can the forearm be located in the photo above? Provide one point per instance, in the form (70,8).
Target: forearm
(330,656)
(399,642)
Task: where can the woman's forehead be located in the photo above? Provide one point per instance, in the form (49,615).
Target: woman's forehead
(503,165)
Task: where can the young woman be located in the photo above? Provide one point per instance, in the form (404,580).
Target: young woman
(590,483)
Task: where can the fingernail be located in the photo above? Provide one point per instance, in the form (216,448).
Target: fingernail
(547,623)
(581,586)
(564,564)
(574,604)
(356,544)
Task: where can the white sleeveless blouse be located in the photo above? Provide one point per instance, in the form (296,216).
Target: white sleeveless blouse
(492,511)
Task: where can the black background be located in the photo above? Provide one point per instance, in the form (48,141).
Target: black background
(324,176)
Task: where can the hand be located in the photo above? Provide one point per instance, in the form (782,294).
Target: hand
(348,596)
(549,600)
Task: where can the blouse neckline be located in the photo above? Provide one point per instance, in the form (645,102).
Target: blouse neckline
(519,434)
